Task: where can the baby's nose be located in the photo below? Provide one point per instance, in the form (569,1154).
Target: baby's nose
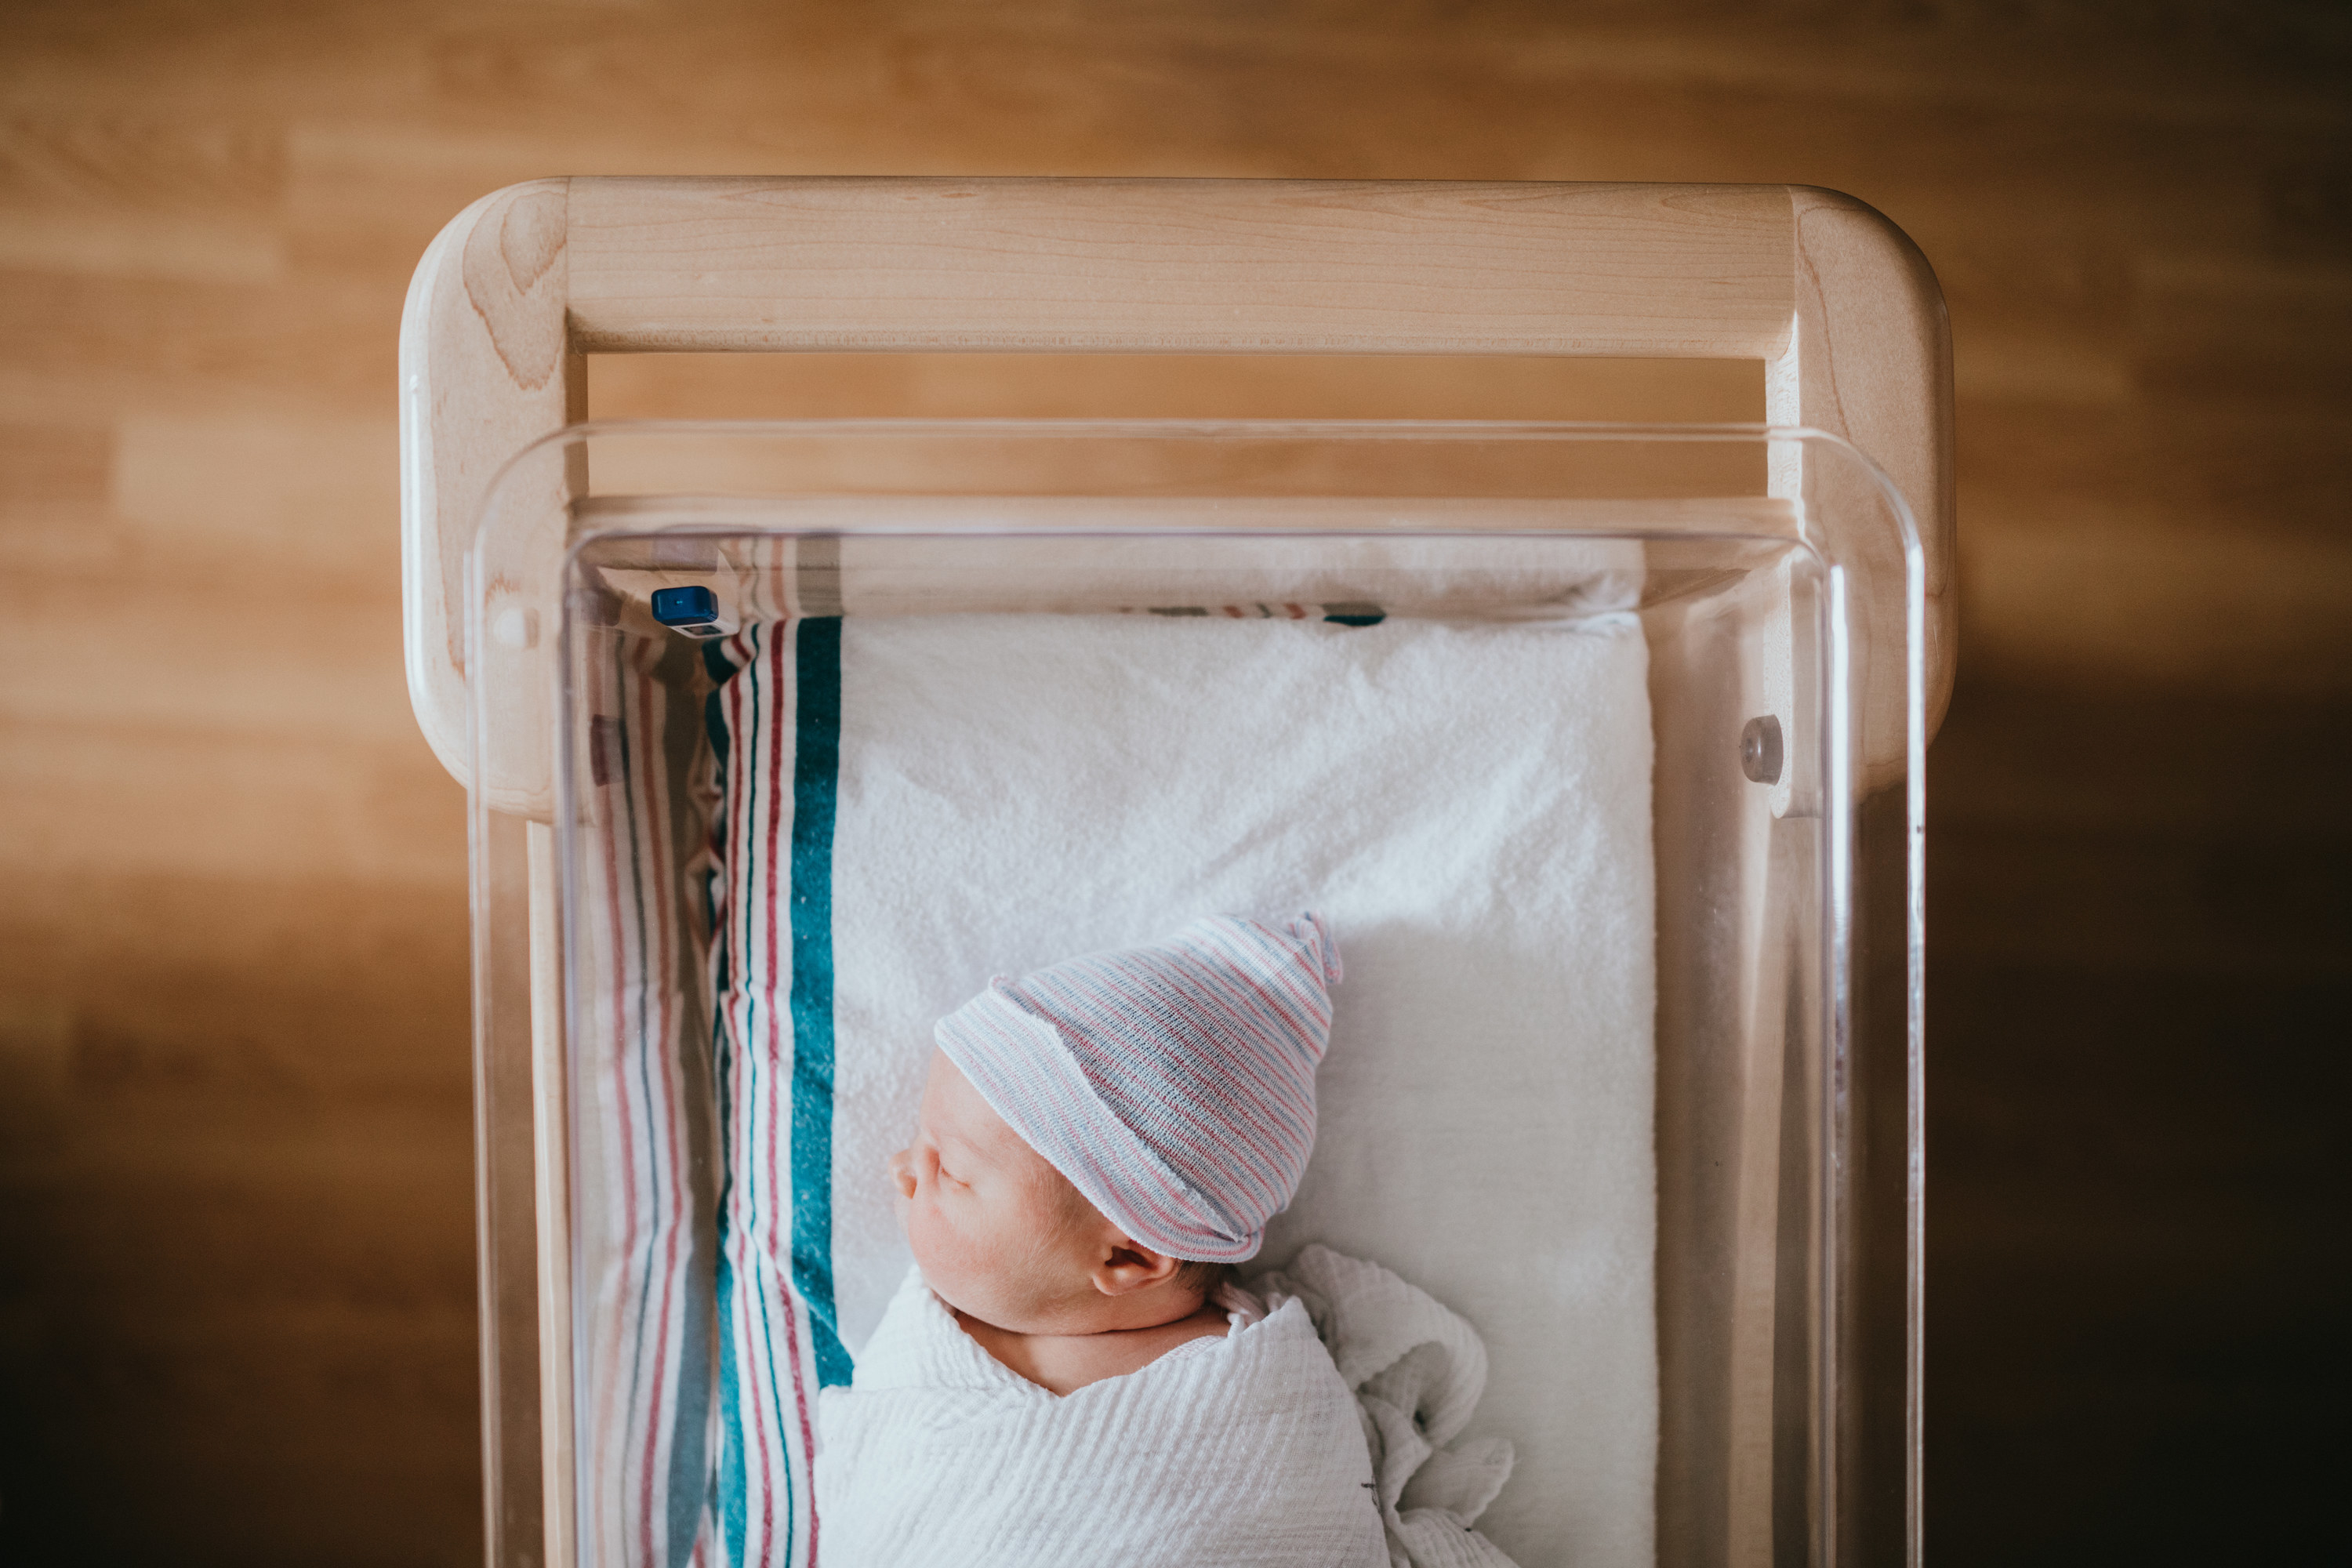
(902,1172)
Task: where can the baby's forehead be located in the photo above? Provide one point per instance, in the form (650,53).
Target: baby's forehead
(956,1113)
(953,1109)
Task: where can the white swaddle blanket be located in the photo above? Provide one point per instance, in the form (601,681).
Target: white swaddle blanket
(1246,1451)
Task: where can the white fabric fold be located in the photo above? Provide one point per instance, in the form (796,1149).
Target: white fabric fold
(1245,1451)
(1417,1371)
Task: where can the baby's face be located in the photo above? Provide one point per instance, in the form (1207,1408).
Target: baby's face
(1000,1234)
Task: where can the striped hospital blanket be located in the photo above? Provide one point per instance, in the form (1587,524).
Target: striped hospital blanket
(704,1061)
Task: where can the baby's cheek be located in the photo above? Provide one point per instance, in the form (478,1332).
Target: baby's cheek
(946,1256)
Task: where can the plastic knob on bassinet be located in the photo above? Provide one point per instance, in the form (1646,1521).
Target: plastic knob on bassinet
(692,611)
(1760,749)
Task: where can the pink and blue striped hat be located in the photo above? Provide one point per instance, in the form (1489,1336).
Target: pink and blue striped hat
(1172,1083)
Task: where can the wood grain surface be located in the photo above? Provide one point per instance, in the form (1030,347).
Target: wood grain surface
(235,1252)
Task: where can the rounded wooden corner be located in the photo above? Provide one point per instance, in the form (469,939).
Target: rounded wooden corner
(1878,372)
(483,373)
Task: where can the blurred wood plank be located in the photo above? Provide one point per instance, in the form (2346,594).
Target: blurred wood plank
(2170,766)
(2221,324)
(98,165)
(335,344)
(2230,466)
(270,496)
(247,654)
(54,480)
(275,810)
(1144,387)
(2141,598)
(171,248)
(225,1013)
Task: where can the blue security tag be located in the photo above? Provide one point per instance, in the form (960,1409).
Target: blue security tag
(691,611)
(683,607)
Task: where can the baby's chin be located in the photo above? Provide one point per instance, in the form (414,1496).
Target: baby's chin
(976,1300)
(952,1280)
(988,1299)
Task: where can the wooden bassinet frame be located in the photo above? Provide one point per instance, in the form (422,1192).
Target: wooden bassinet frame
(523,286)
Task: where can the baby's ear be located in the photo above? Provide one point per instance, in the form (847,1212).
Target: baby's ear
(1128,1266)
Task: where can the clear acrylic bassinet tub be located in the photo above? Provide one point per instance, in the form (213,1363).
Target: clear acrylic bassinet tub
(1788,732)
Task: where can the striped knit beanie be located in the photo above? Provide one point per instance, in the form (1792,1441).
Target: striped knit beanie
(1172,1083)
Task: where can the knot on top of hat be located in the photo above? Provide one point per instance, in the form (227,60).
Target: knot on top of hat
(1172,1083)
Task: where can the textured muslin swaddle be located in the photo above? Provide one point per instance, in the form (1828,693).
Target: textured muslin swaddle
(1232,1451)
(1313,1438)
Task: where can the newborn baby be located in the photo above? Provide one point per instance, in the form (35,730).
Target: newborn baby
(1070,1373)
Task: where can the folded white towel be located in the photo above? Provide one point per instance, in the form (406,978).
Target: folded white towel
(1417,1371)
(1242,1451)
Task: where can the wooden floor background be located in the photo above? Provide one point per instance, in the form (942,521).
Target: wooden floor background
(237,1318)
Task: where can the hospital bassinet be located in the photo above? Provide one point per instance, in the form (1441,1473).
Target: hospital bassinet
(1790,592)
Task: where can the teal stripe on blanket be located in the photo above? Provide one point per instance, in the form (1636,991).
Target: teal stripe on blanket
(816,779)
(733,1463)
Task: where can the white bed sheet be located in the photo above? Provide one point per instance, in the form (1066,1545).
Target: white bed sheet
(1468,803)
